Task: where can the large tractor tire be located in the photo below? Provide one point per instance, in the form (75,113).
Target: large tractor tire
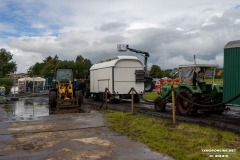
(52,101)
(79,99)
(160,105)
(219,99)
(183,106)
(148,85)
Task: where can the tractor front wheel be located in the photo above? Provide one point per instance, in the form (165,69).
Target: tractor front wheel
(79,98)
(52,101)
(184,107)
(160,105)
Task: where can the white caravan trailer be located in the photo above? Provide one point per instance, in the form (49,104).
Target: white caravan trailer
(119,74)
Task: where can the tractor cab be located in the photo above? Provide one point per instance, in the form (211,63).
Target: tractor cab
(199,77)
(64,75)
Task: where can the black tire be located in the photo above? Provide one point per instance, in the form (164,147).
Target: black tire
(218,112)
(220,109)
(183,106)
(79,99)
(148,85)
(52,101)
(160,105)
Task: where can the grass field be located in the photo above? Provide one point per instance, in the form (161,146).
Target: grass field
(216,81)
(182,142)
(150,95)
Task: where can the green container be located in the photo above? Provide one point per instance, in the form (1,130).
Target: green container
(231,81)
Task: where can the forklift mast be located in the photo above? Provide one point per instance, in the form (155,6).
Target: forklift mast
(148,81)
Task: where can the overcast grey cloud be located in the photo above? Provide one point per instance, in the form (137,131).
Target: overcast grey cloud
(171,31)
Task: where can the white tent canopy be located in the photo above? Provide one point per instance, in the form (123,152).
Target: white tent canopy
(37,80)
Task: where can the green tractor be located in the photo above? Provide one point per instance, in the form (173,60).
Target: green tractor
(194,88)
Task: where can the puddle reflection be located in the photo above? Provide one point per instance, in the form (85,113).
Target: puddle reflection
(27,109)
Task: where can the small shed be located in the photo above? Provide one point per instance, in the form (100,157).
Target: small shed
(119,74)
(231,81)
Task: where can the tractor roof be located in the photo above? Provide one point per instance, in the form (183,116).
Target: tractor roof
(199,65)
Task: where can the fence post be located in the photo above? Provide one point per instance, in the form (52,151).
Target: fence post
(106,90)
(132,100)
(173,107)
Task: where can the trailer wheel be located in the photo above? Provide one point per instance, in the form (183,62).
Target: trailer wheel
(183,106)
(160,105)
(148,85)
(52,101)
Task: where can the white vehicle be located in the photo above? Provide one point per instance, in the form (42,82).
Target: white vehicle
(119,74)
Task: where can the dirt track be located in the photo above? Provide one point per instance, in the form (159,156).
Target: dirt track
(67,136)
(228,121)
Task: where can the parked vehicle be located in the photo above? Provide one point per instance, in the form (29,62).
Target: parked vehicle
(119,74)
(193,88)
(64,92)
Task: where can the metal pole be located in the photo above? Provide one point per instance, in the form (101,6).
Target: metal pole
(33,109)
(25,87)
(14,84)
(132,101)
(106,98)
(33,85)
(173,107)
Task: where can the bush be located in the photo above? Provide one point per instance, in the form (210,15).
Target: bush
(6,82)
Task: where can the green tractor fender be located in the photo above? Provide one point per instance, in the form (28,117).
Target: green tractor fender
(165,90)
(216,90)
(193,89)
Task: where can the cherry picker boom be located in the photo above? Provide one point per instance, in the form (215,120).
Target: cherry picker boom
(148,81)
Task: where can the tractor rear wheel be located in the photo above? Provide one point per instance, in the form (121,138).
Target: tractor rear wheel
(184,107)
(160,105)
(220,109)
(52,101)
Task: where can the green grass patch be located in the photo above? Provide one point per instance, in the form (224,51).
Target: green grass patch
(182,142)
(216,81)
(150,95)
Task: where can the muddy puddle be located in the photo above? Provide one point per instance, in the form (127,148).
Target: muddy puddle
(25,109)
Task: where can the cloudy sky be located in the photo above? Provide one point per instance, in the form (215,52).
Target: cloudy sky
(171,31)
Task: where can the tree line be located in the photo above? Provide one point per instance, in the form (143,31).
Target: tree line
(50,64)
(7,66)
(46,68)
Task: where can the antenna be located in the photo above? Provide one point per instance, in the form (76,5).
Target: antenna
(194,59)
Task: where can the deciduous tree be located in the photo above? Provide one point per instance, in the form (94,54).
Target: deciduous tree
(6,64)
